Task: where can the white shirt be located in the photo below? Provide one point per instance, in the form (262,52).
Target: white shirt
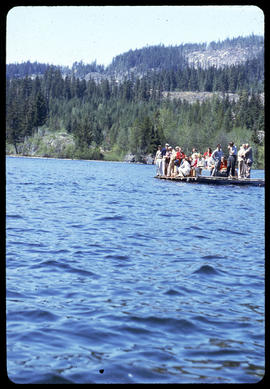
(240,155)
(185,167)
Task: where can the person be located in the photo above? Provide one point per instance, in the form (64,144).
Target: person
(170,168)
(158,161)
(206,156)
(223,167)
(200,161)
(248,160)
(163,152)
(241,162)
(197,164)
(179,156)
(210,165)
(217,154)
(194,153)
(208,153)
(185,168)
(223,164)
(231,160)
(166,159)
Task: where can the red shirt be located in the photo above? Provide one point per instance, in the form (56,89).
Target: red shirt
(223,165)
(207,154)
(180,155)
(194,162)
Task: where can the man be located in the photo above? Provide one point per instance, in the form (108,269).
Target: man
(158,161)
(217,154)
(232,159)
(248,160)
(164,164)
(241,162)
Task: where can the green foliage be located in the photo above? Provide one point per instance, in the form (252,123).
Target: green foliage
(240,135)
(115,154)
(26,109)
(132,116)
(88,153)
(260,157)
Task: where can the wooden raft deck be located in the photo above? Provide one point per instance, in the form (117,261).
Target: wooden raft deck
(216,180)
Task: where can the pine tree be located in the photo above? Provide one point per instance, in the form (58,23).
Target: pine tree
(41,110)
(14,117)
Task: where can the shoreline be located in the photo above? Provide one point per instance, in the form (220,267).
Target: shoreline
(74,159)
(87,160)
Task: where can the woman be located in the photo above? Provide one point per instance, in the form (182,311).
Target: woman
(170,168)
(206,156)
(198,164)
(223,168)
(210,165)
(179,156)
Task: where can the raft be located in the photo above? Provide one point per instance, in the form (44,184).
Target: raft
(216,180)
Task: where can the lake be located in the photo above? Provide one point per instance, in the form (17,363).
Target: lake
(113,276)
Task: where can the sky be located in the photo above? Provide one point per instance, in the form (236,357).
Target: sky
(62,35)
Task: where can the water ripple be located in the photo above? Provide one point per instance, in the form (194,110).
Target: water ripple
(206,269)
(115,277)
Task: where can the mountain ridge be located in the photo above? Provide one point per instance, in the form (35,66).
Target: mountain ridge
(155,58)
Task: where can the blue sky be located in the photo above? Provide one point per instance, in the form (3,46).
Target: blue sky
(62,35)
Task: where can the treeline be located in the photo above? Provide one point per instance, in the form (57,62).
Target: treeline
(24,69)
(150,58)
(160,57)
(247,76)
(26,109)
(249,42)
(21,70)
(125,117)
(140,61)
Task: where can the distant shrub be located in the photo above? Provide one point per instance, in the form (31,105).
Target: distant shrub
(88,153)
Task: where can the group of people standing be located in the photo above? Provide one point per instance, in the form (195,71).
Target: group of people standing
(243,158)
(173,161)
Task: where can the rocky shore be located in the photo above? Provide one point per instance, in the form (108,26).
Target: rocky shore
(46,144)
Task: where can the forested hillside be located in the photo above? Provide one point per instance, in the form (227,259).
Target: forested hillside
(110,112)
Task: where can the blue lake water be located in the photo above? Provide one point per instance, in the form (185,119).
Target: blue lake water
(113,276)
